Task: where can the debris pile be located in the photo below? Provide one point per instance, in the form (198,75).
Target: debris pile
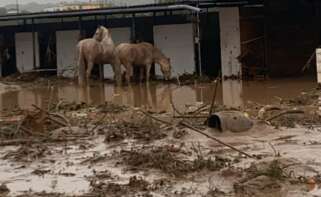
(4,190)
(34,79)
(120,148)
(188,78)
(41,194)
(303,110)
(134,129)
(28,153)
(267,179)
(135,186)
(35,127)
(169,160)
(25,77)
(109,107)
(68,106)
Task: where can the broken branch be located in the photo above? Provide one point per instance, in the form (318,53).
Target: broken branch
(199,110)
(215,139)
(98,123)
(154,118)
(266,108)
(284,113)
(50,88)
(33,141)
(214,97)
(54,120)
(190,116)
(198,131)
(307,64)
(173,106)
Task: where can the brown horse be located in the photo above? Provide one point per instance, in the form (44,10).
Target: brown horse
(97,50)
(144,54)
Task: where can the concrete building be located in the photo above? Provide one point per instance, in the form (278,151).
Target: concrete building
(205,43)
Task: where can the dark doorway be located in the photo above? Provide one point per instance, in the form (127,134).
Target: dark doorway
(47,50)
(8,54)
(144,30)
(210,44)
(252,34)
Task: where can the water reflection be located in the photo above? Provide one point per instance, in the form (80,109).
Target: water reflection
(157,96)
(154,97)
(143,95)
(232,93)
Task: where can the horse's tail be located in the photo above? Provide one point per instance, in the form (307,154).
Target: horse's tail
(77,60)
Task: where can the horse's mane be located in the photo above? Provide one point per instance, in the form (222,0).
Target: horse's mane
(107,38)
(101,33)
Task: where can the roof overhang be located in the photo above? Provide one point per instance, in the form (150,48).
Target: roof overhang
(135,9)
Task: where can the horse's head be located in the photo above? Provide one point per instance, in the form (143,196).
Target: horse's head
(165,65)
(102,33)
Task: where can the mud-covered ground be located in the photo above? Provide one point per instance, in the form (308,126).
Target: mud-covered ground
(63,148)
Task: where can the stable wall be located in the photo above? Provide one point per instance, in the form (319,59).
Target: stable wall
(176,42)
(24,51)
(66,52)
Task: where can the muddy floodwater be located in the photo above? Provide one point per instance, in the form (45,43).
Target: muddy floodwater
(57,139)
(157,96)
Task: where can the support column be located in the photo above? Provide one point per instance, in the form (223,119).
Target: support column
(318,57)
(34,45)
(232,93)
(133,29)
(81,29)
(230,41)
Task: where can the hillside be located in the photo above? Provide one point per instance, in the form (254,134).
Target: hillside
(38,7)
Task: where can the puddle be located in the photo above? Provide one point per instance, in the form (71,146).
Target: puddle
(157,96)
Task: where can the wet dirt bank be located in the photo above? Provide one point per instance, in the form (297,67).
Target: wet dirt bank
(133,143)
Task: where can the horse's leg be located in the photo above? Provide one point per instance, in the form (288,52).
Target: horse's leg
(81,73)
(81,68)
(117,72)
(148,67)
(141,71)
(129,72)
(90,66)
(101,72)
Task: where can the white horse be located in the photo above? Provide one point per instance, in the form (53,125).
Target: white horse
(97,50)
